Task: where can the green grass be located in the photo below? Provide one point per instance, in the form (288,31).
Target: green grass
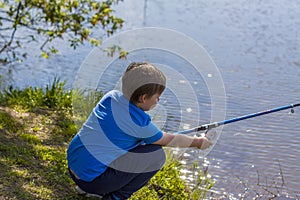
(36,125)
(53,96)
(33,161)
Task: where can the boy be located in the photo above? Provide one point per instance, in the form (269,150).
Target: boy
(119,149)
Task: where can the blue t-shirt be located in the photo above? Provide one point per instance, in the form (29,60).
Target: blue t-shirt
(114,127)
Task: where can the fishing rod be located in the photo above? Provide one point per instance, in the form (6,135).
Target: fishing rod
(207,127)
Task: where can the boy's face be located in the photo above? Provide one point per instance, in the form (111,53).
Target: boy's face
(147,103)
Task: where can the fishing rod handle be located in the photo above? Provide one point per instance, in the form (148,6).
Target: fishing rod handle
(206,127)
(295,105)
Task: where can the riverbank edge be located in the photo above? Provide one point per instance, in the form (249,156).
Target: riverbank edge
(36,125)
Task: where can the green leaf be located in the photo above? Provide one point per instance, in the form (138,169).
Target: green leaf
(95,42)
(52,20)
(45,54)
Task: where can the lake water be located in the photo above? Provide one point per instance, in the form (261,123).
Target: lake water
(255,45)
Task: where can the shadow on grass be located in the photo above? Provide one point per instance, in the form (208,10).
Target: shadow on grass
(33,166)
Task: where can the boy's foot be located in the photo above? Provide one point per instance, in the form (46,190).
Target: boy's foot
(82,192)
(79,190)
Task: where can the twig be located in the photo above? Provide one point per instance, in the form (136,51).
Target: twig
(14,29)
(246,188)
(281,174)
(44,44)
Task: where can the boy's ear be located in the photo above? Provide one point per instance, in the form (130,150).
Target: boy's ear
(143,98)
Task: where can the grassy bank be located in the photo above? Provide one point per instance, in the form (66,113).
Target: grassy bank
(36,125)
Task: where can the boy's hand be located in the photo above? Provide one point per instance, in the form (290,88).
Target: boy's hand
(206,143)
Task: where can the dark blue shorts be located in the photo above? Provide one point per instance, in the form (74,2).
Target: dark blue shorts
(127,174)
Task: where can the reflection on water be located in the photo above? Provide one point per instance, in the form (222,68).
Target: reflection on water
(255,45)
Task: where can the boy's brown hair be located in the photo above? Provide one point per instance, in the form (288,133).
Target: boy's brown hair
(142,78)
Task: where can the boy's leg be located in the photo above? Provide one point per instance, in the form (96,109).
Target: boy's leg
(127,174)
(124,184)
(141,159)
(136,168)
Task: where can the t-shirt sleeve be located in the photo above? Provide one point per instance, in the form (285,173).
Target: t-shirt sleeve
(152,133)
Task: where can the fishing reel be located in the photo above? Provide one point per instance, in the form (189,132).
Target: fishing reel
(212,135)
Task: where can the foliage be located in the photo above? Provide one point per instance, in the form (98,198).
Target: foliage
(27,21)
(202,183)
(54,96)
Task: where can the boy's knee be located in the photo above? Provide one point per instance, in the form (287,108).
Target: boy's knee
(159,157)
(162,157)
(144,158)
(154,156)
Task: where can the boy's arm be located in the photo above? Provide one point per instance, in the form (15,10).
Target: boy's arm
(180,140)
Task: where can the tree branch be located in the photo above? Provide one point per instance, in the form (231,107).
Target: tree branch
(44,44)
(14,29)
